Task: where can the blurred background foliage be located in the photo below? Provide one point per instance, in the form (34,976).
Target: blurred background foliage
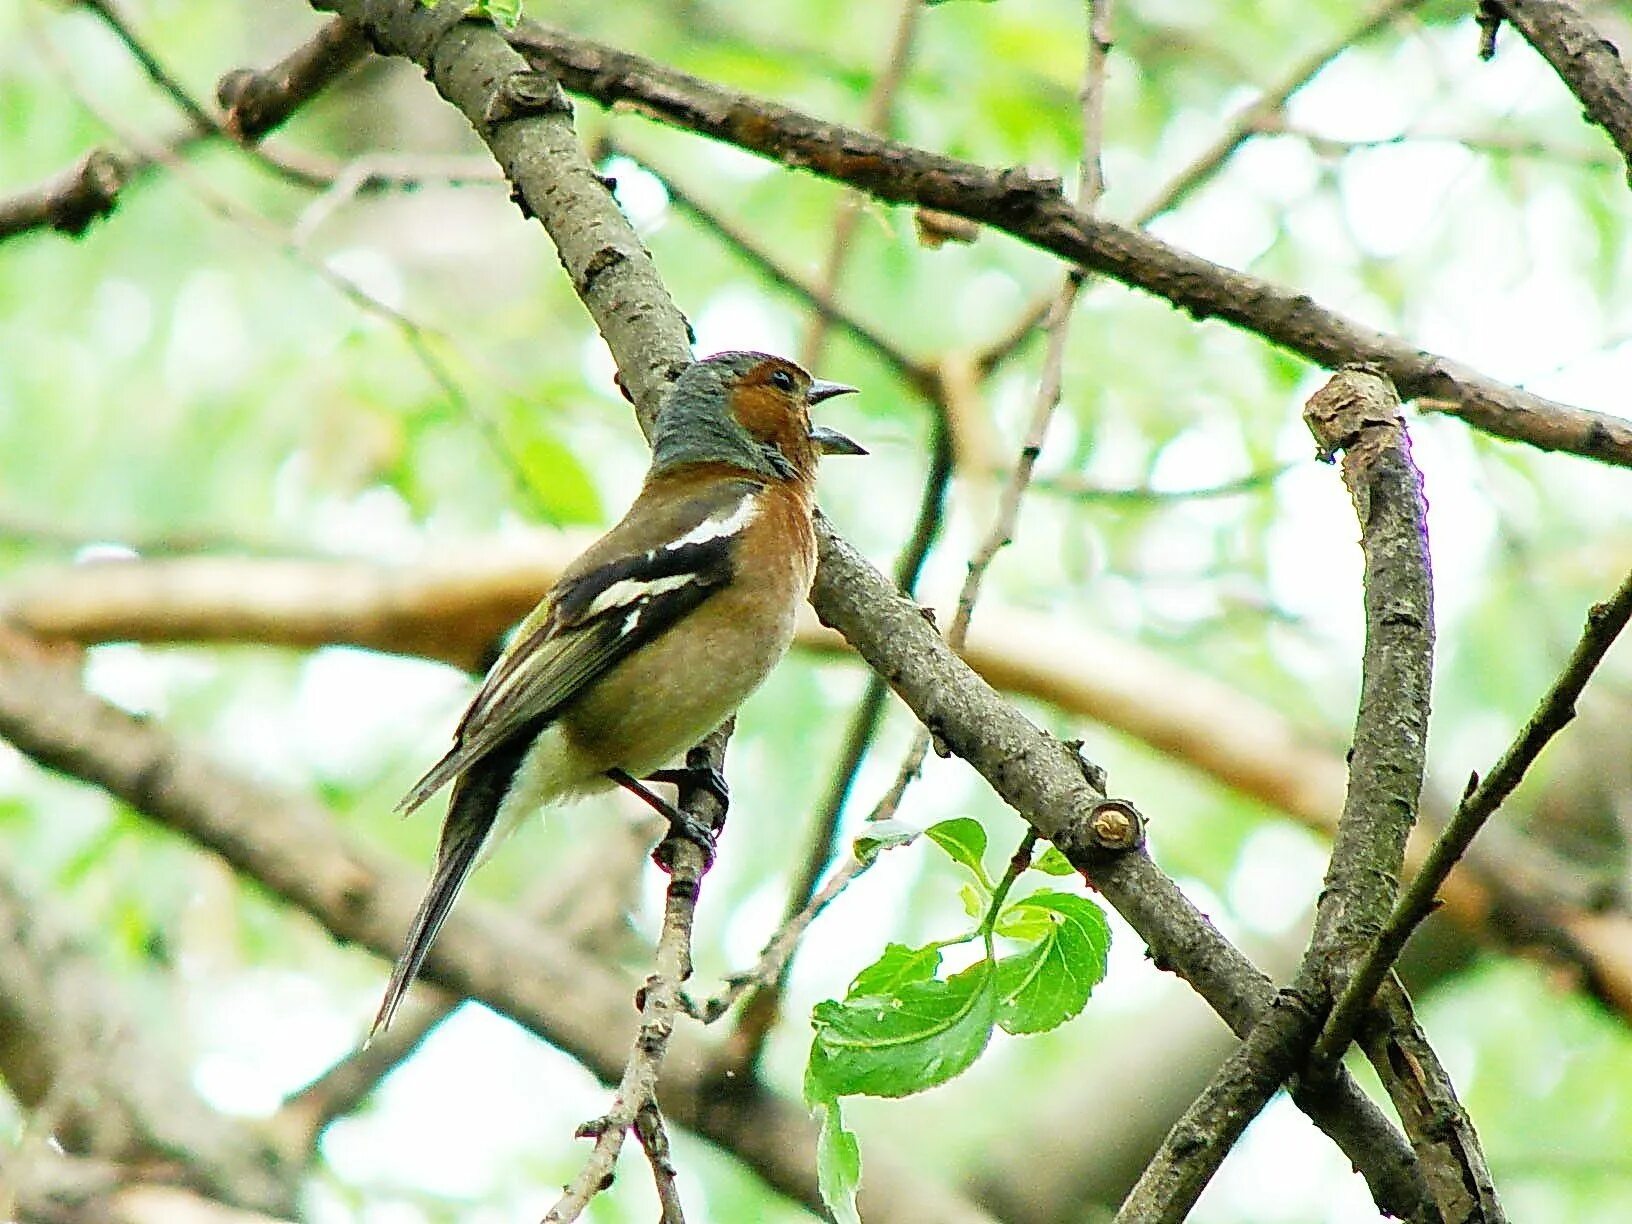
(190,375)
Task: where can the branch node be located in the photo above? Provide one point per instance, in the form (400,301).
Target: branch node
(524,94)
(1026,185)
(1109,827)
(1356,400)
(595,1127)
(95,186)
(1489,21)
(1116,825)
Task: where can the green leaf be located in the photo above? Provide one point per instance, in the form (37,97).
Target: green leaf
(1052,862)
(899,967)
(560,485)
(882,835)
(506,13)
(1023,924)
(1050,982)
(897,1045)
(838,1163)
(964,840)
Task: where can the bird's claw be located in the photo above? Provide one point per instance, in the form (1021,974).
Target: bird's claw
(703,777)
(686,827)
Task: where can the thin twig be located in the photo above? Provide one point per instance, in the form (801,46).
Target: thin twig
(909,369)
(415,335)
(149,61)
(1078,489)
(661,999)
(755,1025)
(1089,190)
(659,1005)
(1495,144)
(1266,107)
(342,183)
(654,1139)
(773,957)
(756,1022)
(1605,623)
(880,109)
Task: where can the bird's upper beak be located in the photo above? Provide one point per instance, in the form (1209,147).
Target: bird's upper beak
(821,389)
(831,441)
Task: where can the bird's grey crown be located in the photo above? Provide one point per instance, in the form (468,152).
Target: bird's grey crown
(695,423)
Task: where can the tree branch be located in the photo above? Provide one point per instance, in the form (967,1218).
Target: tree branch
(1033,210)
(256,102)
(452,607)
(1358,413)
(1605,622)
(1588,63)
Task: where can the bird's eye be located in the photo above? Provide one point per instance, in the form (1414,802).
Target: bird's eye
(782,381)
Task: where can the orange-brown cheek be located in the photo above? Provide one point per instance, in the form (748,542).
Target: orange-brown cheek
(768,416)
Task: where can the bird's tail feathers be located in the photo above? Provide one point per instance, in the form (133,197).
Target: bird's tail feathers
(438,776)
(462,837)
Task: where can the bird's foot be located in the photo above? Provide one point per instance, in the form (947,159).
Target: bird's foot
(687,827)
(682,824)
(703,777)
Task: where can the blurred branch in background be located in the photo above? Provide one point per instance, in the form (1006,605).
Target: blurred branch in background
(531,973)
(878,116)
(102,1084)
(255,102)
(1268,108)
(453,607)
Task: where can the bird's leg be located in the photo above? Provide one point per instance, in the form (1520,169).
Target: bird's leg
(704,777)
(681,824)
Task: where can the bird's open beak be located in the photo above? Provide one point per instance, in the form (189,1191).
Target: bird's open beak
(832,442)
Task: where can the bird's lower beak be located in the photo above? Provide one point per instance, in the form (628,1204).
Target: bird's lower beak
(832,442)
(821,389)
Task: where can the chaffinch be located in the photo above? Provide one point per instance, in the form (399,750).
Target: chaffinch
(653,636)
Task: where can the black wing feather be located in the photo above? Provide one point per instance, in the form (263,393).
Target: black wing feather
(471,812)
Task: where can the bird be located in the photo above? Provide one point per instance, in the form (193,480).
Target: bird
(654,636)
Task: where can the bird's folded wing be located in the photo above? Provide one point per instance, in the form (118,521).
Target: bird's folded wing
(620,595)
